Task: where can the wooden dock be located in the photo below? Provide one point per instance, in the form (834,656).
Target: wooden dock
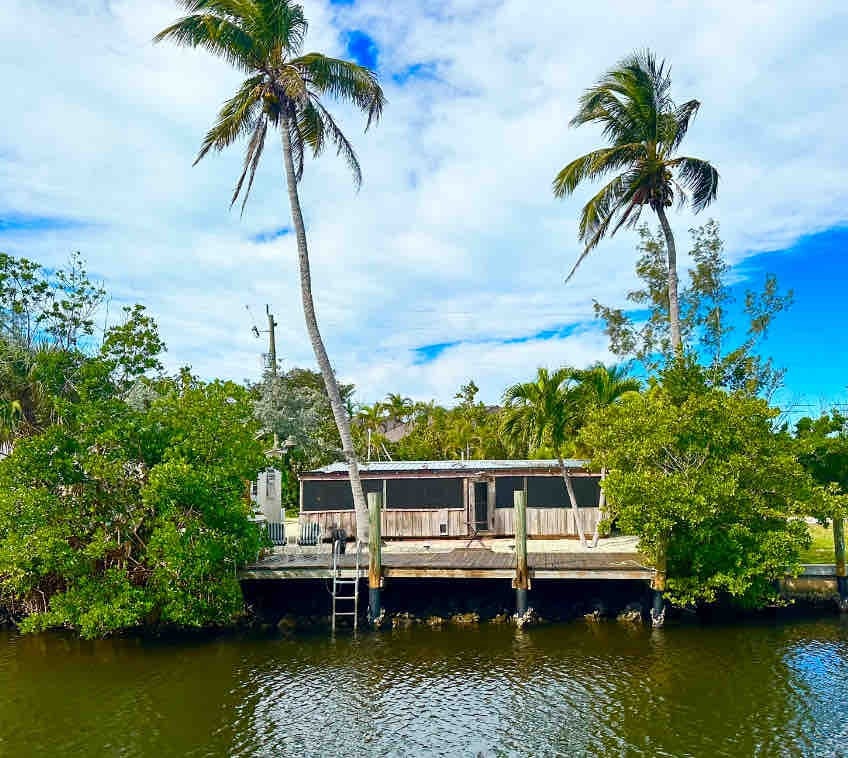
(458,563)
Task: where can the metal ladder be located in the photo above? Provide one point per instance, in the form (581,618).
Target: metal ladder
(348,585)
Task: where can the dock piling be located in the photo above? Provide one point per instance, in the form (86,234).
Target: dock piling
(839,555)
(375,558)
(658,588)
(521,583)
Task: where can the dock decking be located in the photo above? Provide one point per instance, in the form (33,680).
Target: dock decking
(458,563)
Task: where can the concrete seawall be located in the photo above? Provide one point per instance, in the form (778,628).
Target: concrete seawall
(816,585)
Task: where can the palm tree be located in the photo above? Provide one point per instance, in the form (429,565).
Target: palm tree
(371,418)
(283,90)
(398,407)
(546,412)
(598,387)
(644,128)
(25,406)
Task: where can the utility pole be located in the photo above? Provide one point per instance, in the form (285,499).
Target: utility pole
(271,331)
(272,341)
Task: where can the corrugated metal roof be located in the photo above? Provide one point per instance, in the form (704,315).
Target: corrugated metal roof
(458,466)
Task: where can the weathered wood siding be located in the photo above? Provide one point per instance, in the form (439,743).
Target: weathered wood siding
(395,523)
(547,522)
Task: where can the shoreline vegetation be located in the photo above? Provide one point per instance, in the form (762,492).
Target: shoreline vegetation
(125,491)
(466,609)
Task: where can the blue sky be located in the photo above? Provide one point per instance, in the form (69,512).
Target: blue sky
(448,264)
(809,339)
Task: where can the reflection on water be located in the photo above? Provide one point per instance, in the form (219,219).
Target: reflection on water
(576,689)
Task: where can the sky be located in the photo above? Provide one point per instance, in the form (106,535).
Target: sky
(449,262)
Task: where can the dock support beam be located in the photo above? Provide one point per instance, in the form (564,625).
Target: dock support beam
(375,558)
(839,556)
(521,583)
(658,589)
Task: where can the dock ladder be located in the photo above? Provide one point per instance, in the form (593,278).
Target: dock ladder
(345,591)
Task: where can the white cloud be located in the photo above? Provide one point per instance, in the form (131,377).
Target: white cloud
(454,237)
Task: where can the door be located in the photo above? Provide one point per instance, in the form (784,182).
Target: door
(481,506)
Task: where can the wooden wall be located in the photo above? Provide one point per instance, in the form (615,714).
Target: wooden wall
(541,522)
(547,522)
(396,523)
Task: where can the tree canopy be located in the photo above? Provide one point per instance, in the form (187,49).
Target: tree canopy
(711,486)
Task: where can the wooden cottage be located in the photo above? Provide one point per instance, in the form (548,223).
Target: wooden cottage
(432,499)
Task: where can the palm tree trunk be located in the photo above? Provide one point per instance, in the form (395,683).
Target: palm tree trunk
(339,412)
(602,503)
(673,297)
(578,521)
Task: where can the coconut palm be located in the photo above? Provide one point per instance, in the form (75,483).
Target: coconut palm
(644,128)
(545,412)
(283,91)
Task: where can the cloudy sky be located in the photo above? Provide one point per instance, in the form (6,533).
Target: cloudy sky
(449,263)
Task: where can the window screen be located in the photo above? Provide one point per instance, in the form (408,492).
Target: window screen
(587,490)
(550,492)
(504,488)
(424,493)
(334,495)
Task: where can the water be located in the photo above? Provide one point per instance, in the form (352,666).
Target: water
(571,689)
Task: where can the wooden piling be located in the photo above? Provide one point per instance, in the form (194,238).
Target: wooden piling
(658,587)
(521,583)
(839,556)
(375,558)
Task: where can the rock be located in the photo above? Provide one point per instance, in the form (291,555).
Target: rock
(632,614)
(465,618)
(528,618)
(435,621)
(380,621)
(403,620)
(287,623)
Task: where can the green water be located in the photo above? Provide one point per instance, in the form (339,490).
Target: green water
(572,689)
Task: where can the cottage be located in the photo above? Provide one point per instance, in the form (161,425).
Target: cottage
(432,499)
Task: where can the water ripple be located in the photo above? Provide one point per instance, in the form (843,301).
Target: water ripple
(566,690)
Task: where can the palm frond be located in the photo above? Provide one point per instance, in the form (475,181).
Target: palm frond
(597,214)
(343,146)
(602,105)
(700,178)
(310,127)
(237,117)
(594,165)
(343,80)
(233,9)
(679,123)
(220,36)
(282,27)
(251,161)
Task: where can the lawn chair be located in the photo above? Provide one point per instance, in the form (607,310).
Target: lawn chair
(310,536)
(277,533)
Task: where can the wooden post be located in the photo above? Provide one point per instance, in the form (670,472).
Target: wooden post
(658,587)
(375,558)
(522,573)
(839,556)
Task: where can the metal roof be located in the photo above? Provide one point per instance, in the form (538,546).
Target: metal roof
(470,466)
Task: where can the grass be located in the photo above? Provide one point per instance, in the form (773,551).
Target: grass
(821,551)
